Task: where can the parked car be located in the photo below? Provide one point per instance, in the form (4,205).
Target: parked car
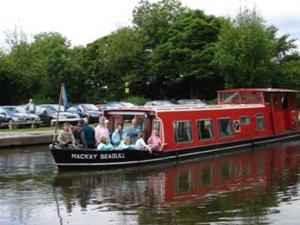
(17,116)
(190,102)
(88,111)
(48,114)
(159,103)
(22,109)
(115,104)
(3,117)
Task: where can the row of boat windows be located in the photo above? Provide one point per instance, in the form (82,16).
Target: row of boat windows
(205,128)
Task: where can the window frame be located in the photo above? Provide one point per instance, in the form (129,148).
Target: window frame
(245,123)
(263,116)
(213,129)
(223,118)
(174,133)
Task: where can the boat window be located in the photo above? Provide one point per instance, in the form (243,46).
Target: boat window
(205,129)
(230,97)
(245,120)
(225,127)
(156,125)
(127,122)
(260,121)
(237,97)
(267,99)
(284,102)
(182,131)
(251,97)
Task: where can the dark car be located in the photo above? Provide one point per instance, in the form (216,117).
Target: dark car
(190,102)
(17,116)
(88,111)
(48,114)
(22,109)
(3,117)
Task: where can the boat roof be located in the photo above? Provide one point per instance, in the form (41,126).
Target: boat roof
(261,90)
(141,110)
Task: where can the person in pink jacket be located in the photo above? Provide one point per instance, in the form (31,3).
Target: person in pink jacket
(101,130)
(154,141)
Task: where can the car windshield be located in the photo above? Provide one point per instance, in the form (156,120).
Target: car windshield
(159,103)
(11,110)
(127,104)
(2,111)
(190,101)
(53,107)
(49,110)
(21,109)
(89,107)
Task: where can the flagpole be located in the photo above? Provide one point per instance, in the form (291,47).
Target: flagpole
(57,116)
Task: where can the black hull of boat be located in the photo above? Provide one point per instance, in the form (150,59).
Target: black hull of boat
(92,159)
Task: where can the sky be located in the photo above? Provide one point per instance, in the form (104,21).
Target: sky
(83,21)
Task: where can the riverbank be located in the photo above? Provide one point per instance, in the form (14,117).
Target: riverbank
(16,138)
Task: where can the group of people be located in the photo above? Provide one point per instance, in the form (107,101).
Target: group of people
(102,139)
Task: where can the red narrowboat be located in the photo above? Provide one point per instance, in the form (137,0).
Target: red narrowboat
(242,118)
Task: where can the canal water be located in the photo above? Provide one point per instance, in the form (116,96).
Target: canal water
(258,186)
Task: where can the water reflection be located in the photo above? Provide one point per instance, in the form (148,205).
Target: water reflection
(250,187)
(238,188)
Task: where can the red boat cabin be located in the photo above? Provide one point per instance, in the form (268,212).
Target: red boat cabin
(241,114)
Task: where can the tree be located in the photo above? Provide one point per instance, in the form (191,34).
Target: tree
(52,60)
(184,60)
(248,52)
(117,59)
(153,19)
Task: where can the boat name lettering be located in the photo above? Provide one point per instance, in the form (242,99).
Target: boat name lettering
(112,156)
(83,156)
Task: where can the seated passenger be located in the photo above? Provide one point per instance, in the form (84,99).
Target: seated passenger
(118,135)
(154,141)
(125,144)
(65,136)
(104,144)
(140,143)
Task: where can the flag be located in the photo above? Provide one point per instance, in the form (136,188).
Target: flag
(64,97)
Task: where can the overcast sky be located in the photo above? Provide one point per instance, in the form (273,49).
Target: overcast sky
(83,21)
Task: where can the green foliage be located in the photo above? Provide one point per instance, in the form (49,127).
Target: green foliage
(137,100)
(170,52)
(153,19)
(248,52)
(185,58)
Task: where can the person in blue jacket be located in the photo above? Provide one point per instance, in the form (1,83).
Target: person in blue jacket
(104,144)
(118,135)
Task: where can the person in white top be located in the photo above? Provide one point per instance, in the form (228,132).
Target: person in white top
(30,107)
(140,143)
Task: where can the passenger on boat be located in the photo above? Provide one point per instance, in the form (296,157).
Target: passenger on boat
(104,144)
(89,135)
(118,135)
(140,143)
(101,130)
(78,132)
(65,136)
(133,131)
(125,144)
(154,141)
